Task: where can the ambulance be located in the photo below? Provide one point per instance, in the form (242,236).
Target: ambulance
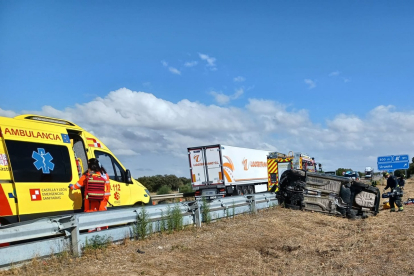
(278,162)
(40,156)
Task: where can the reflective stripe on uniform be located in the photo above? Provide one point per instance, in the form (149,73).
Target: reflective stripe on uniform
(79,185)
(107,194)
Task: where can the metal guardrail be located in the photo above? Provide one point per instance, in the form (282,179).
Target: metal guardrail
(172,196)
(48,236)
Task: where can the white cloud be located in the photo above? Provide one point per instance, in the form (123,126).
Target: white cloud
(143,130)
(170,68)
(239,79)
(346,80)
(190,63)
(223,99)
(238,93)
(220,97)
(7,113)
(334,73)
(211,61)
(174,70)
(311,83)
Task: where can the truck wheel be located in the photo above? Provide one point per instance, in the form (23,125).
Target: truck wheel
(250,189)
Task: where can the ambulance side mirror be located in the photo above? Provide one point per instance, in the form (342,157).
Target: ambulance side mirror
(128,177)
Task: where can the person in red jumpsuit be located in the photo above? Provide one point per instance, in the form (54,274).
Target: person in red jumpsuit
(94,168)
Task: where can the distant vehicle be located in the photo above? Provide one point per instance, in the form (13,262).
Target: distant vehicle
(331,173)
(369,172)
(353,175)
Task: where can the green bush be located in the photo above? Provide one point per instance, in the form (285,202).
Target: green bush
(143,226)
(97,242)
(186,188)
(205,211)
(164,190)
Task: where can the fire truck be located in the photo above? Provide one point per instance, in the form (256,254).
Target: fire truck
(278,162)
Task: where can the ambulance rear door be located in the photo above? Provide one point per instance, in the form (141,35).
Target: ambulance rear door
(8,200)
(42,166)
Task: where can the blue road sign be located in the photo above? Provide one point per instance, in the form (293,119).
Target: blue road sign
(385,159)
(393,162)
(401,158)
(393,166)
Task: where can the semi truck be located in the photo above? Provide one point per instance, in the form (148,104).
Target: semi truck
(221,170)
(369,172)
(277,163)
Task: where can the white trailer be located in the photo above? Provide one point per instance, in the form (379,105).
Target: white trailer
(227,170)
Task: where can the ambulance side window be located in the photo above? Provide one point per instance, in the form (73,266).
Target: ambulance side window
(111,166)
(38,162)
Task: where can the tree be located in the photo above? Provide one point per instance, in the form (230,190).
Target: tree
(154,183)
(339,171)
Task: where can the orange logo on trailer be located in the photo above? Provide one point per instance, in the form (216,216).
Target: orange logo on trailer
(197,157)
(228,168)
(245,164)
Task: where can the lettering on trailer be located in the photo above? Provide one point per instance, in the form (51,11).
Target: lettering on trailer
(31,133)
(47,193)
(43,161)
(208,164)
(256,164)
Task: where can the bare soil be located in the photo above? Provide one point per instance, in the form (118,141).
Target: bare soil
(274,242)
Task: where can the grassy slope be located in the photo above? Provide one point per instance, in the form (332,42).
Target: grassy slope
(274,242)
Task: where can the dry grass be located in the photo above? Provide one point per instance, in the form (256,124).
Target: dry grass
(274,242)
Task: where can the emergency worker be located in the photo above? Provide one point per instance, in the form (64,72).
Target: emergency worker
(401,181)
(393,184)
(96,174)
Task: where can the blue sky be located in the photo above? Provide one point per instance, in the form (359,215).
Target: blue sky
(325,65)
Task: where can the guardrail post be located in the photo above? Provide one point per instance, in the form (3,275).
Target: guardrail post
(74,236)
(197,214)
(254,207)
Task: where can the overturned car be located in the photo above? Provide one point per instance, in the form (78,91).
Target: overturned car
(330,194)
